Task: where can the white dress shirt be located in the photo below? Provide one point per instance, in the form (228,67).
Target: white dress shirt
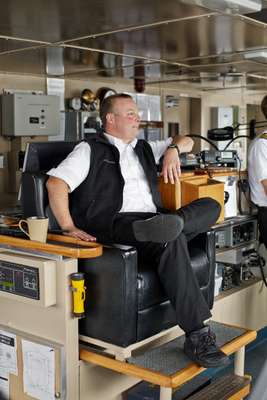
(257,170)
(137,196)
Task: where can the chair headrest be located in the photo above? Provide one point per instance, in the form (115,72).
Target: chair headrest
(43,156)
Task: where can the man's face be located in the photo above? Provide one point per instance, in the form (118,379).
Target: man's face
(124,120)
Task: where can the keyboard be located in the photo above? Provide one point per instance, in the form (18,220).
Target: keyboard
(12,231)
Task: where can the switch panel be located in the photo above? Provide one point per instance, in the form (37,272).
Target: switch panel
(30,114)
(27,279)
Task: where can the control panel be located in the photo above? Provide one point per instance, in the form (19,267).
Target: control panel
(19,279)
(237,255)
(236,252)
(236,232)
(236,265)
(27,279)
(30,114)
(227,158)
(221,158)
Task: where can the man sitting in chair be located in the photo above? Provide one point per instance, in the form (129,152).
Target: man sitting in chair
(113,180)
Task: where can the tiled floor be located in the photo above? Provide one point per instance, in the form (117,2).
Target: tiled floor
(255,359)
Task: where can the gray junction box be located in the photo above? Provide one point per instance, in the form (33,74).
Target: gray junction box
(30,114)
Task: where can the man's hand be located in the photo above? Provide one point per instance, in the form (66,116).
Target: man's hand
(171,169)
(78,234)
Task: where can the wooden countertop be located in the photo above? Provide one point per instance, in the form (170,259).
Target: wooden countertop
(56,244)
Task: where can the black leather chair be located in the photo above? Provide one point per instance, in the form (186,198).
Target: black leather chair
(125,301)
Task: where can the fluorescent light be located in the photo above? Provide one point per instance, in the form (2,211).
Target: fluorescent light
(257,55)
(250,5)
(239,6)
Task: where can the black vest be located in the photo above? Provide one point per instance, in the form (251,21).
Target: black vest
(96,201)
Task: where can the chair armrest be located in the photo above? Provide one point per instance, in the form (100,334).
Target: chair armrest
(204,244)
(111,296)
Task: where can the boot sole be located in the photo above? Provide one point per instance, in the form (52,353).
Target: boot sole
(222,363)
(159,229)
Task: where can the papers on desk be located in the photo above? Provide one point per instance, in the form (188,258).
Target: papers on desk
(38,370)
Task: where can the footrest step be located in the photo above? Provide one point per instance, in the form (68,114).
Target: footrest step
(167,365)
(224,388)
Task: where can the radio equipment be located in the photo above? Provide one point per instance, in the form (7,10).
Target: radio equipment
(236,232)
(189,161)
(227,158)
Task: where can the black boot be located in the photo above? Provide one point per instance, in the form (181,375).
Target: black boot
(200,346)
(159,229)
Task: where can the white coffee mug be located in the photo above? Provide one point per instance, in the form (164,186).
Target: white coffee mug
(37,228)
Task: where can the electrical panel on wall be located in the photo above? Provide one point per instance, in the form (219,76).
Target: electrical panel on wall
(30,114)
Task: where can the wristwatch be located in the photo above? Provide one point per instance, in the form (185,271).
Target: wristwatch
(174,146)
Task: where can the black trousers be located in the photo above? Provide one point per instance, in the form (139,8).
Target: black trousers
(262,220)
(172,259)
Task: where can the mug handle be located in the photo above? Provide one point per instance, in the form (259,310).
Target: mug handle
(20,227)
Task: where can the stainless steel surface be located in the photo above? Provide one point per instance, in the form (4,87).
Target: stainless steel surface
(105,38)
(237,6)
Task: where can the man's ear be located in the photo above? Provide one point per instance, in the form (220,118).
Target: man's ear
(110,118)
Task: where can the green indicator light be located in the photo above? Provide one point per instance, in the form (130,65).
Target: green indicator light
(7,284)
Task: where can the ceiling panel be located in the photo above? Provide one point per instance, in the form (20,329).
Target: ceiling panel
(7,45)
(178,41)
(75,63)
(32,62)
(58,20)
(152,39)
(123,68)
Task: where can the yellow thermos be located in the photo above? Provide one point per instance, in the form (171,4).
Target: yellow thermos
(78,291)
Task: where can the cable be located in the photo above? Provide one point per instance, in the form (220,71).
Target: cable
(256,260)
(206,140)
(232,140)
(239,168)
(251,125)
(239,184)
(261,265)
(243,187)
